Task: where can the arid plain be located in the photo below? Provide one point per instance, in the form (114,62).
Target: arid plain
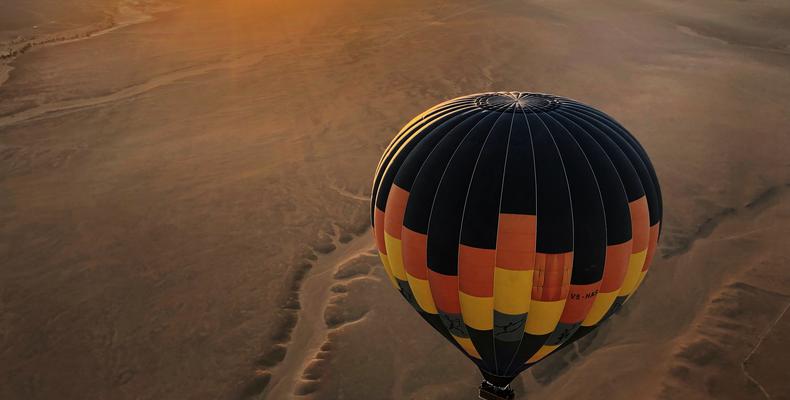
(184,192)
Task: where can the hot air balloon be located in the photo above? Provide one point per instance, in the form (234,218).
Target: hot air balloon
(514,223)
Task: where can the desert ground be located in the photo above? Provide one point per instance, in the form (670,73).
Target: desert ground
(184,192)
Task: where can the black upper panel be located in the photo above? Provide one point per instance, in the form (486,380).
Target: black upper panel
(554,211)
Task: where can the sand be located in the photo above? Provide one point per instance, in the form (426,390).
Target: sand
(183,193)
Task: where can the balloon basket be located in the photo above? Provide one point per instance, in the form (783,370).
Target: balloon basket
(491,392)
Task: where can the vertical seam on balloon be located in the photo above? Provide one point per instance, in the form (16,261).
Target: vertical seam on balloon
(624,146)
(641,168)
(600,196)
(535,183)
(416,176)
(438,184)
(496,243)
(572,118)
(570,202)
(433,118)
(408,135)
(604,135)
(463,213)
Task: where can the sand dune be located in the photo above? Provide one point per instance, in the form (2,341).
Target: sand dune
(99,19)
(183,193)
(316,299)
(61,107)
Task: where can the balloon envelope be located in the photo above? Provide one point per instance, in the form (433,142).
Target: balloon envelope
(514,223)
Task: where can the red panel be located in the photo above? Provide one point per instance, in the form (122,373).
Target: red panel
(415,253)
(444,289)
(476,270)
(552,276)
(378,230)
(396,208)
(617,256)
(579,302)
(516,242)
